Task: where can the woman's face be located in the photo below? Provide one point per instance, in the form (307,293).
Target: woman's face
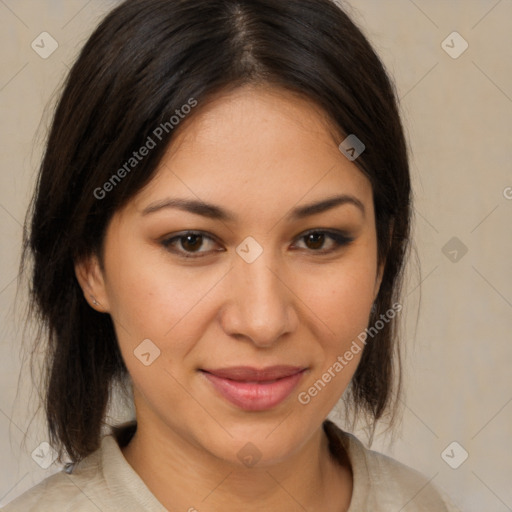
(249,287)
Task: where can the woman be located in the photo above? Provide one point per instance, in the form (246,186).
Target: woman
(220,223)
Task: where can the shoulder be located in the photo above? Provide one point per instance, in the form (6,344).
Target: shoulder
(62,491)
(382,483)
(102,481)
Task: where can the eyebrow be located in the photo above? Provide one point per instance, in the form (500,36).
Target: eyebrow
(215,212)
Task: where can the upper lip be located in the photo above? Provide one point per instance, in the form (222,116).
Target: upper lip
(250,374)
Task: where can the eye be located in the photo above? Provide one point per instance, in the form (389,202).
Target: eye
(315,240)
(190,243)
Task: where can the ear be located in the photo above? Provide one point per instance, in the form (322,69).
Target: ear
(91,279)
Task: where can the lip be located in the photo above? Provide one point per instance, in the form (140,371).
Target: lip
(253,389)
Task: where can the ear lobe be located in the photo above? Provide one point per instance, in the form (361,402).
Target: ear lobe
(90,278)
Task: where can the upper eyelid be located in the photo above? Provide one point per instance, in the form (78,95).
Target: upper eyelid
(183,234)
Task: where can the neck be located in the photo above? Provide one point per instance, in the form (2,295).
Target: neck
(310,479)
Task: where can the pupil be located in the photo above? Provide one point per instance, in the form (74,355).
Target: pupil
(317,239)
(192,246)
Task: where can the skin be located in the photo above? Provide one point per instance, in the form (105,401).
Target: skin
(257,152)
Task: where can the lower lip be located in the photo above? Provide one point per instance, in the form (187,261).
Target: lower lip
(255,396)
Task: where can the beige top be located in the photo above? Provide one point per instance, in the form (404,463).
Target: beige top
(104,481)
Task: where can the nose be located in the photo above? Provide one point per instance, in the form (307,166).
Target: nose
(260,305)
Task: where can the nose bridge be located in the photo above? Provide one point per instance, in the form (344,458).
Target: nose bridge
(261,302)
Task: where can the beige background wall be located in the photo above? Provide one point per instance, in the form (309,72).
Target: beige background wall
(458,115)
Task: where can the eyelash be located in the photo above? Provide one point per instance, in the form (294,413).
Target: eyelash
(339,238)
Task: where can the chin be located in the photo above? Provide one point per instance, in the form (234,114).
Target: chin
(259,445)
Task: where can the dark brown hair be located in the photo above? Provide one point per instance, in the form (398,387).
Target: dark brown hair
(145,60)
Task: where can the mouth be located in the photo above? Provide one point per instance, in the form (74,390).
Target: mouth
(253,389)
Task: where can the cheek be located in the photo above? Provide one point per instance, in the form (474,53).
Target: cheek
(342,296)
(341,301)
(154,299)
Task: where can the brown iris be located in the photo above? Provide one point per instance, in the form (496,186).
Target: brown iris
(317,239)
(192,242)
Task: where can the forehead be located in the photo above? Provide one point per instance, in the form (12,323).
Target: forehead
(253,147)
